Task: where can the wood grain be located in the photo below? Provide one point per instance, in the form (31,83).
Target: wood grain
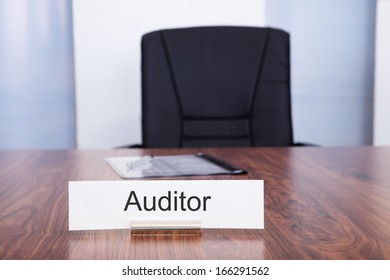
(320,203)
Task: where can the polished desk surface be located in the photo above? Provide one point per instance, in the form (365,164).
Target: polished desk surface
(320,203)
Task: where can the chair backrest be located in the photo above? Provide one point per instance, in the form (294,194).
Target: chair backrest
(216,87)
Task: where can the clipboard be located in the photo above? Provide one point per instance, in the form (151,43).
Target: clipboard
(199,164)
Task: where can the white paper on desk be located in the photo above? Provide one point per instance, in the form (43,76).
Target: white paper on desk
(100,204)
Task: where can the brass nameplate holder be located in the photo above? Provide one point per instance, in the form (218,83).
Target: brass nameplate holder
(166,227)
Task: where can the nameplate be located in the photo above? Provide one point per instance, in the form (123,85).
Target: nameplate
(216,203)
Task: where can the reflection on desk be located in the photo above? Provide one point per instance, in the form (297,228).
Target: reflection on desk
(320,203)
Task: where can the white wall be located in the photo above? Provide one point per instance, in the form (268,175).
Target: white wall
(382,75)
(332,49)
(107,57)
(332,52)
(332,102)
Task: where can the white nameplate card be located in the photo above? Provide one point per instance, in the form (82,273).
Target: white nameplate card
(216,203)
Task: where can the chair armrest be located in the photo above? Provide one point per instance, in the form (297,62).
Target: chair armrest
(132,146)
(303,144)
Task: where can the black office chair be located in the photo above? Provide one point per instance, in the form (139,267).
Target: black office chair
(216,87)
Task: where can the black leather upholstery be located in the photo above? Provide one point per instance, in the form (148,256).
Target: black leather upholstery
(216,86)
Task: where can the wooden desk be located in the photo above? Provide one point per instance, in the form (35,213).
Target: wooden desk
(320,203)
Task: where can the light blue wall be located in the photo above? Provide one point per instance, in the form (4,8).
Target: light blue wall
(37,109)
(332,49)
